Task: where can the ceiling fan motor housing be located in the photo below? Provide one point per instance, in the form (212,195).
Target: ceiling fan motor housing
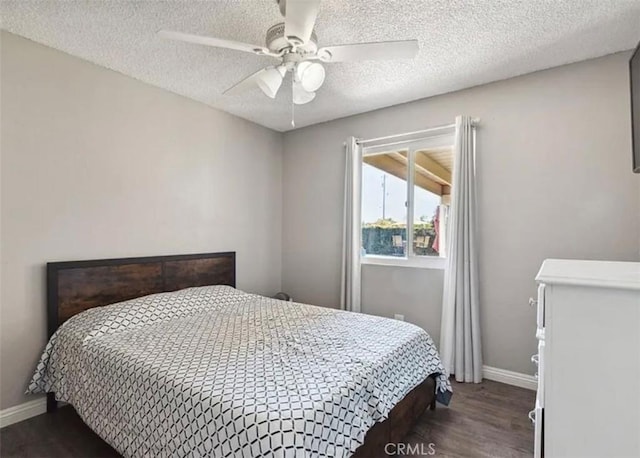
(276,41)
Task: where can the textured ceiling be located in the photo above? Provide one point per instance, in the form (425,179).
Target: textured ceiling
(462,44)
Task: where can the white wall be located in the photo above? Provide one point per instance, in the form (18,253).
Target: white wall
(555,180)
(95,164)
(390,290)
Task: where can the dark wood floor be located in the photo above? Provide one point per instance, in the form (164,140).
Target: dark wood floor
(484,420)
(488,419)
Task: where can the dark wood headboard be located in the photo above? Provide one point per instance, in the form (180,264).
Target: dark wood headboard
(75,286)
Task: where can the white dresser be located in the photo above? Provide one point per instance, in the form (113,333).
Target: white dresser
(588,330)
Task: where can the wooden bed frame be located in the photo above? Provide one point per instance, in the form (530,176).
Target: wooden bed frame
(76,286)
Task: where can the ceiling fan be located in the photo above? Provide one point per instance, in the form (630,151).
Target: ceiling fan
(294,44)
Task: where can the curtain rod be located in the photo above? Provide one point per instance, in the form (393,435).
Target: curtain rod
(474,123)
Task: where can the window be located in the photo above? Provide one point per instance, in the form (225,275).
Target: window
(406,188)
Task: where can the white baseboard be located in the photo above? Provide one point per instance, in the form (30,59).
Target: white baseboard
(22,411)
(510,378)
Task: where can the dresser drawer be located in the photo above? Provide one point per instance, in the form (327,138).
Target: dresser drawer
(540,307)
(537,417)
(539,360)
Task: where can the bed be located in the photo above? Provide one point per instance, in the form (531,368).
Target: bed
(162,356)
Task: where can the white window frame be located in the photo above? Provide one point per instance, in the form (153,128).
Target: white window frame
(411,145)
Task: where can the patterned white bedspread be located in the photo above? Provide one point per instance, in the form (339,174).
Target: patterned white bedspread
(214,371)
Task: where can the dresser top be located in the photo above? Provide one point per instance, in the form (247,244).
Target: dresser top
(604,274)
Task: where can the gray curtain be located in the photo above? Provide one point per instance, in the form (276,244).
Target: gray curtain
(351,286)
(460,343)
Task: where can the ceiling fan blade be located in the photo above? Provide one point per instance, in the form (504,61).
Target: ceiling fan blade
(300,17)
(210,41)
(381,50)
(248,83)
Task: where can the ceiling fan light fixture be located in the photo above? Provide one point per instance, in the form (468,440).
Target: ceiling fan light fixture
(310,75)
(300,95)
(270,81)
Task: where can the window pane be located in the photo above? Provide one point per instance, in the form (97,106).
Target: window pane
(426,205)
(432,187)
(384,199)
